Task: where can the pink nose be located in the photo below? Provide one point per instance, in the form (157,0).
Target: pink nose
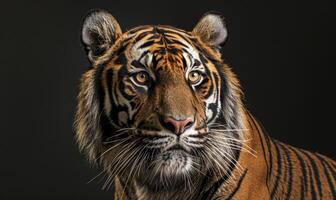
(178,126)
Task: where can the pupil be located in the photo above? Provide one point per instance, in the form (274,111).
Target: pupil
(142,76)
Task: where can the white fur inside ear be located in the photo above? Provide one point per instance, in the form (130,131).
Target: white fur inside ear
(100,30)
(86,36)
(211,28)
(101,23)
(218,28)
(87,40)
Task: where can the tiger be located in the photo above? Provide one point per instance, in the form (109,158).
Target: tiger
(163,116)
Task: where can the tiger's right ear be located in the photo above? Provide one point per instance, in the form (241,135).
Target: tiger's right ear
(99,32)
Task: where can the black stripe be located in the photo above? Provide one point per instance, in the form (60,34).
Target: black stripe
(333,171)
(302,194)
(204,183)
(285,174)
(264,152)
(175,41)
(231,195)
(316,173)
(224,83)
(142,35)
(98,84)
(207,71)
(238,186)
(211,192)
(184,62)
(277,180)
(146,44)
(328,175)
(269,145)
(143,54)
(313,192)
(138,64)
(290,172)
(262,145)
(303,169)
(155,36)
(270,158)
(109,77)
(197,63)
(121,59)
(120,50)
(174,32)
(109,80)
(217,82)
(123,74)
(211,88)
(207,195)
(333,165)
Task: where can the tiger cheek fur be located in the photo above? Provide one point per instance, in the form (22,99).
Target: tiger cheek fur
(163,116)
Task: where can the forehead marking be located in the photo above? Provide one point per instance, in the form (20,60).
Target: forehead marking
(171,45)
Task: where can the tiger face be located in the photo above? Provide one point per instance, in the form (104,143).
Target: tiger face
(158,102)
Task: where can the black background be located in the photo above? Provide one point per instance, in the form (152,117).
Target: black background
(283,53)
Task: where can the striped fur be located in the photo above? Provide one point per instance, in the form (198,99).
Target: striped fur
(149,73)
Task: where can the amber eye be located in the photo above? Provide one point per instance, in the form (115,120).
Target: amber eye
(194,77)
(141,77)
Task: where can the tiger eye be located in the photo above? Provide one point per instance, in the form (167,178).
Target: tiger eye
(194,77)
(141,77)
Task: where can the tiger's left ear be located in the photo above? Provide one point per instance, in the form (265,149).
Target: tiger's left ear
(211,29)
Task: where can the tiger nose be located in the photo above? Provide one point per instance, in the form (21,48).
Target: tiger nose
(177,126)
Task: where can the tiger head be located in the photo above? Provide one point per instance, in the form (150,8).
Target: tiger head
(158,105)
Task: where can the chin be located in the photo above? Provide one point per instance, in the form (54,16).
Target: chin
(170,170)
(174,163)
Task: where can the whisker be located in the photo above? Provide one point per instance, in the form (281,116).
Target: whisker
(109,149)
(119,132)
(92,179)
(228,130)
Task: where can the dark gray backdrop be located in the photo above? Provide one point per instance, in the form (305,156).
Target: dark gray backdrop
(283,52)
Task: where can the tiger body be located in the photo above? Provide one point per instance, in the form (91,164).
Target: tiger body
(163,115)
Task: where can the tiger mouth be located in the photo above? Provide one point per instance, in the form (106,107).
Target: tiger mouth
(177,147)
